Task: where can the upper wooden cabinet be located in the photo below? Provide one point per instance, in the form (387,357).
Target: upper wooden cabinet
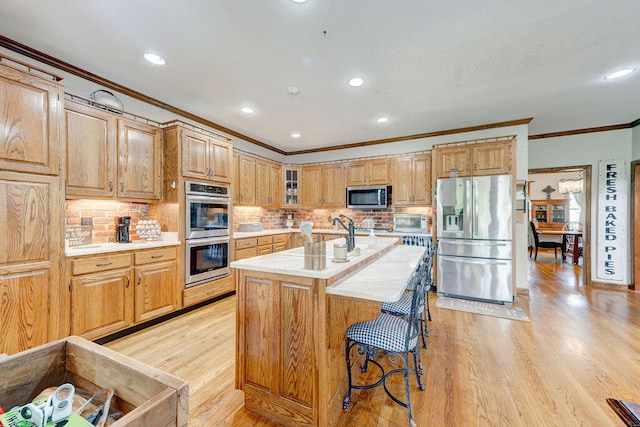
(258,182)
(139,161)
(412,181)
(92,136)
(31,122)
(333,185)
(370,172)
(311,187)
(205,157)
(111,156)
(489,158)
(550,213)
(291,186)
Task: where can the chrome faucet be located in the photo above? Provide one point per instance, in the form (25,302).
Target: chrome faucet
(351,231)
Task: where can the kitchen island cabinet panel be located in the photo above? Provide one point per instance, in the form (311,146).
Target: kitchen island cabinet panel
(259,331)
(31,122)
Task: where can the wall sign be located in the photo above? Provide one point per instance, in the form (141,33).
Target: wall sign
(78,235)
(611,256)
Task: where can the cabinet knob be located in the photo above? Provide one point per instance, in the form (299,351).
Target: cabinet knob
(110,185)
(128,281)
(139,279)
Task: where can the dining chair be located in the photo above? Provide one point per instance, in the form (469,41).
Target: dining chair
(543,244)
(394,339)
(402,307)
(571,240)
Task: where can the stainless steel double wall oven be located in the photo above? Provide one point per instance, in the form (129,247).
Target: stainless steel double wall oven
(207,232)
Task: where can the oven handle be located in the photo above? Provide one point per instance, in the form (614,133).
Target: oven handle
(206,241)
(208,199)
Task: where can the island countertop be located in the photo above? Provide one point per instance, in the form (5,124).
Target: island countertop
(291,262)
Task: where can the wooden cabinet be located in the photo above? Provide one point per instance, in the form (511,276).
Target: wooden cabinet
(550,213)
(247,184)
(253,246)
(370,172)
(109,156)
(333,185)
(323,186)
(311,187)
(139,161)
(206,157)
(259,182)
(412,181)
(155,274)
(31,208)
(91,151)
(275,185)
(279,331)
(488,158)
(31,122)
(115,291)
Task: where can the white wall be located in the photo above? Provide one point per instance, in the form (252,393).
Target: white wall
(585,149)
(635,155)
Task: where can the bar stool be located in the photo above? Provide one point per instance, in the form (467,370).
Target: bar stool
(393,338)
(402,307)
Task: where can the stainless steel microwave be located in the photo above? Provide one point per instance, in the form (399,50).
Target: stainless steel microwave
(375,197)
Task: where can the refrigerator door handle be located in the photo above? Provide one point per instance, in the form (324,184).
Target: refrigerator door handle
(479,243)
(461,260)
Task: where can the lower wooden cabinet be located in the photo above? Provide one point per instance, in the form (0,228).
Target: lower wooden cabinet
(25,303)
(115,291)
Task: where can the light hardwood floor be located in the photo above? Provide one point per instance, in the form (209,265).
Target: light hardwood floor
(582,346)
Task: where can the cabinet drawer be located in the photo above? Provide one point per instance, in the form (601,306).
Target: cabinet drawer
(264,250)
(246,253)
(205,291)
(277,247)
(280,238)
(246,243)
(156,255)
(99,263)
(265,240)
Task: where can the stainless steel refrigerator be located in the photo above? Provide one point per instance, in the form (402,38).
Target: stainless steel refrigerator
(475,228)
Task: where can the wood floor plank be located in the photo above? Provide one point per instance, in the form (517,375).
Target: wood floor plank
(581,346)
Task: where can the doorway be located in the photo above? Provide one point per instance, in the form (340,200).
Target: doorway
(583,200)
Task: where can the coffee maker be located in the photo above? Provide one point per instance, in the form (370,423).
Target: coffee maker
(122,229)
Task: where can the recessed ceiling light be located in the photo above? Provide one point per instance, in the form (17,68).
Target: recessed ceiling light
(295,135)
(247,110)
(299,1)
(154,58)
(382,119)
(356,82)
(619,73)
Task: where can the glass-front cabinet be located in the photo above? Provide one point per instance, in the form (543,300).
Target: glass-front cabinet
(550,214)
(291,187)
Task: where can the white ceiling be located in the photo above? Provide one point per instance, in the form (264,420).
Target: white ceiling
(428,66)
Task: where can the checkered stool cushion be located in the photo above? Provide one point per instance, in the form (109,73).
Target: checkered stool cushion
(401,307)
(387,332)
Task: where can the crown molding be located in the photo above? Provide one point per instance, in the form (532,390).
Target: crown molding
(581,131)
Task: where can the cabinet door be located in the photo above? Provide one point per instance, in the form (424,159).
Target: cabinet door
(247,189)
(357,174)
(221,158)
(30,119)
(402,181)
(24,315)
(379,172)
(91,151)
(275,182)
(155,291)
(311,187)
(140,161)
(493,158)
(263,188)
(195,154)
(291,186)
(421,181)
(333,186)
(448,158)
(101,303)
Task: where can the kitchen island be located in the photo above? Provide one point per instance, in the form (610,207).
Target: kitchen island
(291,322)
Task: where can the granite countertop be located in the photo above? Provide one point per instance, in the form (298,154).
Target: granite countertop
(380,233)
(166,239)
(291,262)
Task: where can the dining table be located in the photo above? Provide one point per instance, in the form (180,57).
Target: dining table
(565,233)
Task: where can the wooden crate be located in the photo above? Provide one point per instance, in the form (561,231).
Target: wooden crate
(145,395)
